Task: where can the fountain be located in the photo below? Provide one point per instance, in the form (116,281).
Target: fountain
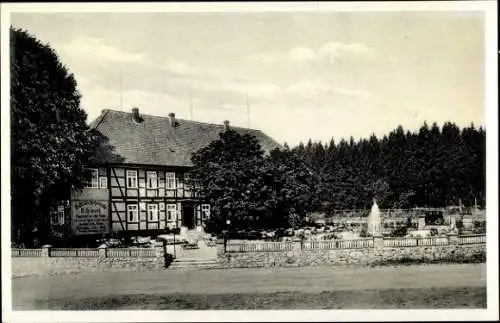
(374,221)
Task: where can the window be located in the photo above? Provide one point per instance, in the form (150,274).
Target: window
(153,212)
(57,217)
(53,217)
(152,180)
(92,178)
(171,210)
(205,211)
(187,182)
(60,214)
(131,179)
(103,182)
(132,213)
(170,180)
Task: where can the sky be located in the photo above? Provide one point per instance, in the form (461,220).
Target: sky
(302,75)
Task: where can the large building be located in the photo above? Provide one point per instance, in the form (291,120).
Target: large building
(138,176)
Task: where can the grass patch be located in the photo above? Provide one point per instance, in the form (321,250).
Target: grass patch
(476,258)
(420,298)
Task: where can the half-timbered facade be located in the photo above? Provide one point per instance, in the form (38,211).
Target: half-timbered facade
(138,181)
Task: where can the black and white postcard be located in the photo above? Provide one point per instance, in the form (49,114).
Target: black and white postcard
(249,161)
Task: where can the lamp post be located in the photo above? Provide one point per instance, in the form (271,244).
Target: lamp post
(175,256)
(226,237)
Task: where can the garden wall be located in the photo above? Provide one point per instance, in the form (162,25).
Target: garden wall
(379,253)
(29,262)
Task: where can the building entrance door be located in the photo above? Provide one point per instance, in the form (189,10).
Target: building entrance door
(188,215)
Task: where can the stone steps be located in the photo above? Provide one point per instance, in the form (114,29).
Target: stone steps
(193,263)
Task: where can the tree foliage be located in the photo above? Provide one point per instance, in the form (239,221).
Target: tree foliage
(248,187)
(434,166)
(50,141)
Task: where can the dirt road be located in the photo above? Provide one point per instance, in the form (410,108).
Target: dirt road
(29,290)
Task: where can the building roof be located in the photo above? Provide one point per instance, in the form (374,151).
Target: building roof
(154,141)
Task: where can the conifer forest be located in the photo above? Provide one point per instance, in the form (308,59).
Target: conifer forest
(435,166)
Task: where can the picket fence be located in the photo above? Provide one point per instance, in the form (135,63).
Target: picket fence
(86,252)
(413,242)
(352,244)
(472,239)
(130,252)
(26,252)
(260,246)
(67,252)
(338,244)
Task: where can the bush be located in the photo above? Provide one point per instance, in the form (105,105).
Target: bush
(331,236)
(168,259)
(399,232)
(175,231)
(291,259)
(479,227)
(16,245)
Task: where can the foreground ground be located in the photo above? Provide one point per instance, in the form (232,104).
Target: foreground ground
(430,286)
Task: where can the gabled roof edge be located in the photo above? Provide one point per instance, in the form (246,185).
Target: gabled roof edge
(94,124)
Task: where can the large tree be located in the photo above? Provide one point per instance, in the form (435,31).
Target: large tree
(291,188)
(228,174)
(248,187)
(50,141)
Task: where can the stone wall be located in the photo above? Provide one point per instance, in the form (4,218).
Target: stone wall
(45,264)
(360,257)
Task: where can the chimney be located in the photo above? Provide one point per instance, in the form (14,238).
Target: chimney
(226,125)
(171,116)
(135,115)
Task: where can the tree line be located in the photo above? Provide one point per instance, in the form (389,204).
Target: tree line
(433,166)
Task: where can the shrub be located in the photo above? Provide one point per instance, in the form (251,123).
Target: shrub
(169,259)
(399,232)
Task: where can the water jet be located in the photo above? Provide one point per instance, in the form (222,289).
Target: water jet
(374,221)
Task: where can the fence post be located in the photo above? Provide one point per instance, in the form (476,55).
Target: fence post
(46,250)
(102,251)
(378,241)
(225,242)
(452,238)
(297,245)
(453,221)
(421,222)
(160,254)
